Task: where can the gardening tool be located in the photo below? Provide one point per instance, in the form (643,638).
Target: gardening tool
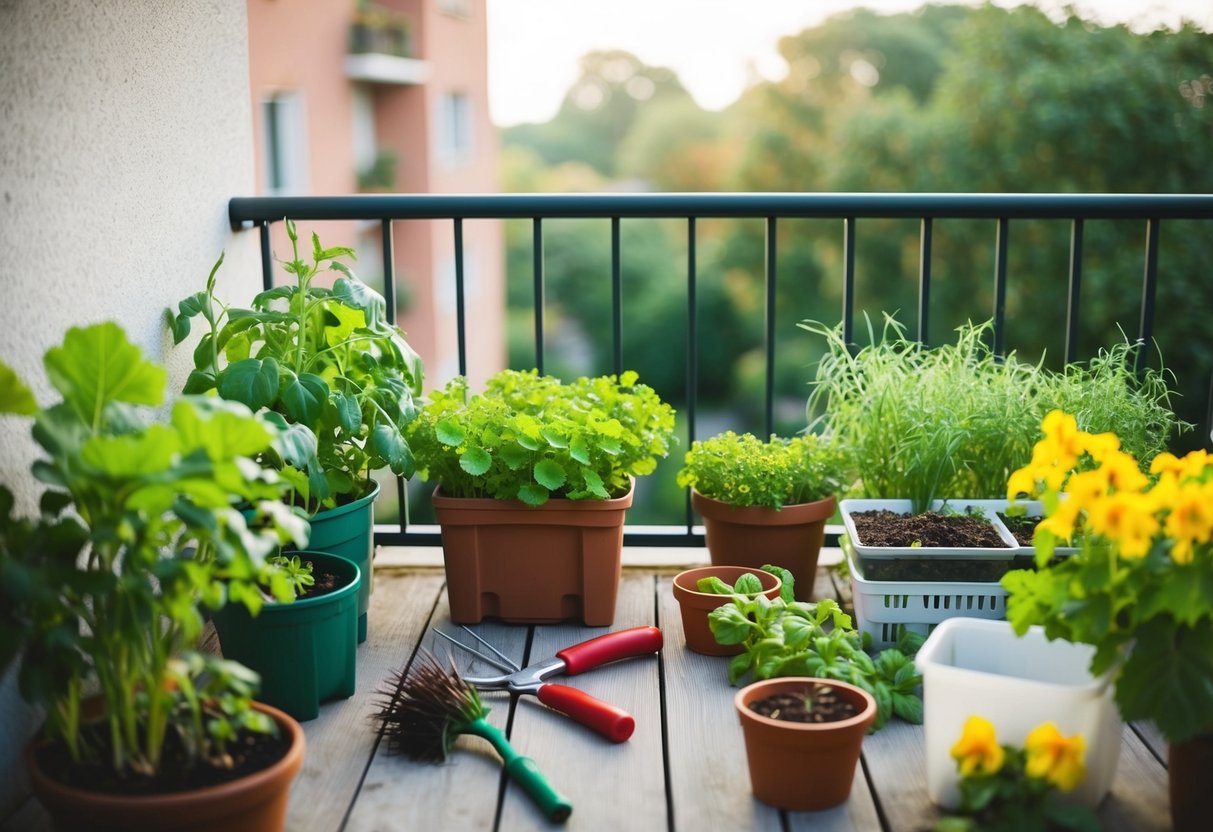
(611,722)
(427,708)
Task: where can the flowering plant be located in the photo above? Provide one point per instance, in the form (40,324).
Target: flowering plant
(1007,788)
(1140,586)
(745,471)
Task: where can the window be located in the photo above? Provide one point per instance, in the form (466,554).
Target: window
(283,144)
(455,130)
(457,8)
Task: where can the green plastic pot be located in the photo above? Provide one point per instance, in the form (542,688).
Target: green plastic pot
(305,651)
(348,531)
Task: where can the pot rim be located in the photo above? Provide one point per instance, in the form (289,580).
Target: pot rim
(756,690)
(792,514)
(713,569)
(554,504)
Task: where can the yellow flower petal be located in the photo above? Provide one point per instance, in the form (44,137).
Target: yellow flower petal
(977,751)
(1054,757)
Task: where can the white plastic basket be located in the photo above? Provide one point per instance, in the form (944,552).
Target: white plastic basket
(883,608)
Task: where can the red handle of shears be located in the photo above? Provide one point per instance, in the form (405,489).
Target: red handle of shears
(622,644)
(613,723)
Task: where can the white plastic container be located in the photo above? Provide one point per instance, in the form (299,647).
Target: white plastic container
(978,667)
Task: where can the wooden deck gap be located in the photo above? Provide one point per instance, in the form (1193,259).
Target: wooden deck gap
(867,777)
(661,698)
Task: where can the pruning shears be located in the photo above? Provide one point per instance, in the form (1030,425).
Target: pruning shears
(608,720)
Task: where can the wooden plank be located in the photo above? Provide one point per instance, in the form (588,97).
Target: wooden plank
(341,740)
(611,785)
(1138,801)
(1153,738)
(463,792)
(895,760)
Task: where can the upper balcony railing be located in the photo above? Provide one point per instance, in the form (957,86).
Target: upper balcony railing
(1002,210)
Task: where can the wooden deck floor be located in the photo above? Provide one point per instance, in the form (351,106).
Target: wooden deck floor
(683,769)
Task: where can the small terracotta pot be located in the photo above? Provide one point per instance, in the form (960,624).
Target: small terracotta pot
(803,766)
(696,605)
(255,803)
(755,535)
(1190,780)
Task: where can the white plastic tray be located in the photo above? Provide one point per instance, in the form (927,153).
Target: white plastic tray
(991,507)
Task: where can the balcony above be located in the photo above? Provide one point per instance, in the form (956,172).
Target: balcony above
(381,68)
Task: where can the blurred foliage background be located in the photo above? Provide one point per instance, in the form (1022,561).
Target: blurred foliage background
(944,99)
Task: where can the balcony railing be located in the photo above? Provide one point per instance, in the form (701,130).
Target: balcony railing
(1002,210)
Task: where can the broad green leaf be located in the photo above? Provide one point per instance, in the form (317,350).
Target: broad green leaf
(224,430)
(514,456)
(579,451)
(253,381)
(198,381)
(713,586)
(908,707)
(475,461)
(549,474)
(304,397)
(349,413)
(357,294)
(295,443)
(594,484)
(130,456)
(554,438)
(97,365)
(389,443)
(449,433)
(15,396)
(345,322)
(532,495)
(729,624)
(748,584)
(1169,678)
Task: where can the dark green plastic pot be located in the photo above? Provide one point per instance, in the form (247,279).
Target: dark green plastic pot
(348,531)
(306,650)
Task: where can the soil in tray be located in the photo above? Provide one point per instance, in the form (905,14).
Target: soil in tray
(887,528)
(823,704)
(1021,526)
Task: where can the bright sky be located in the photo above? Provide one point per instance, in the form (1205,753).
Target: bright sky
(714,46)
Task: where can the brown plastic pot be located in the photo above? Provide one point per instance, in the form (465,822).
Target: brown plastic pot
(696,605)
(802,766)
(1190,781)
(532,565)
(755,535)
(254,803)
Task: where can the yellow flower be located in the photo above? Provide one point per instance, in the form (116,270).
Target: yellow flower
(1122,472)
(1099,445)
(1125,518)
(1191,466)
(977,751)
(1086,488)
(1062,521)
(1190,520)
(1055,758)
(1022,481)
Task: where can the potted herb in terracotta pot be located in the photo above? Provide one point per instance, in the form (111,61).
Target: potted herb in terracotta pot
(1137,588)
(703,589)
(100,595)
(329,367)
(534,478)
(305,651)
(802,739)
(765,502)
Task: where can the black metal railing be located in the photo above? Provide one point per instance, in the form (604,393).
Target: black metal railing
(850,209)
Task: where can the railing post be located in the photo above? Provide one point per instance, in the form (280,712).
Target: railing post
(1001,237)
(616,299)
(692,353)
(1148,286)
(460,300)
(267,259)
(924,281)
(1075,288)
(848,281)
(387,247)
(771,269)
(537,271)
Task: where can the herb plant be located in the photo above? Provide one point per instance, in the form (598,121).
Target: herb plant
(137,528)
(530,437)
(297,572)
(1139,586)
(796,638)
(326,361)
(748,583)
(955,421)
(742,470)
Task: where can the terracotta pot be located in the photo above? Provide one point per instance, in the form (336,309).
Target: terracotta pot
(1190,774)
(798,765)
(755,536)
(527,565)
(696,605)
(254,803)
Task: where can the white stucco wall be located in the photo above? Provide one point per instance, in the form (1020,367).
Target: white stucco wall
(125,127)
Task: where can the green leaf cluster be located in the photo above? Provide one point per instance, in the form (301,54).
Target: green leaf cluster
(742,470)
(797,638)
(138,527)
(530,437)
(749,584)
(325,360)
(956,420)
(1150,620)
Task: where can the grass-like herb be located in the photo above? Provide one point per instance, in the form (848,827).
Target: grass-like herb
(954,421)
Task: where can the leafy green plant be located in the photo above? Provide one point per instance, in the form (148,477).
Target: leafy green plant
(326,361)
(742,470)
(748,583)
(137,528)
(956,420)
(797,638)
(297,572)
(530,437)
